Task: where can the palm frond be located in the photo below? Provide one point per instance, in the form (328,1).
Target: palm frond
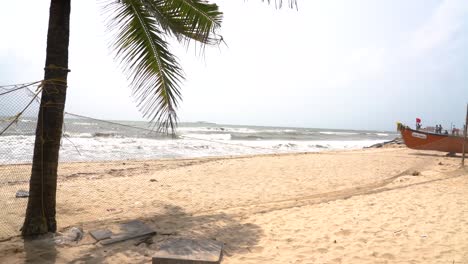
(154,72)
(279,3)
(187,19)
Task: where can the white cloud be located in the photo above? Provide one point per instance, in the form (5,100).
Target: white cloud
(362,63)
(445,23)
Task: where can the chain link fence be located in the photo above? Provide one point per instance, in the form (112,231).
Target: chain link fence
(108,170)
(17,124)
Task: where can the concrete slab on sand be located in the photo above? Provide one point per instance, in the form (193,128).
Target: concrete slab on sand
(189,251)
(130,230)
(101,234)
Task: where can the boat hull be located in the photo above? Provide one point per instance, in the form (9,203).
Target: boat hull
(422,140)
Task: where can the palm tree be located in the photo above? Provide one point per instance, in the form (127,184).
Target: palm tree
(139,28)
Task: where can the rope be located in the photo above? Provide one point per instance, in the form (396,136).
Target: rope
(55,67)
(16,118)
(21,86)
(67,138)
(114,123)
(14,85)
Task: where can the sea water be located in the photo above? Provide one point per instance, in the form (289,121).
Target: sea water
(92,140)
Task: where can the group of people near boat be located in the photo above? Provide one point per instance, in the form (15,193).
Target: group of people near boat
(455,131)
(438,130)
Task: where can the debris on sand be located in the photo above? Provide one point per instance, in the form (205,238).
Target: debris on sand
(69,236)
(396,143)
(130,230)
(22,194)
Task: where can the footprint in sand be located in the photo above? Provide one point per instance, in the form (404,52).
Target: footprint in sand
(256,249)
(344,232)
(388,256)
(322,250)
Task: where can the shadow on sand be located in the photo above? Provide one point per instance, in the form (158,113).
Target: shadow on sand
(441,155)
(40,250)
(174,222)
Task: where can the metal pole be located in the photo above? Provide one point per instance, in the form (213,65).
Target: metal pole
(464,137)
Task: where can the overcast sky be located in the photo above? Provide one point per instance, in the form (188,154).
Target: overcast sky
(361,64)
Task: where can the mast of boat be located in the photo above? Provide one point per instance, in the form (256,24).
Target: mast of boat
(464,137)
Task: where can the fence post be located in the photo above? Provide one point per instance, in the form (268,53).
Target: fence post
(464,137)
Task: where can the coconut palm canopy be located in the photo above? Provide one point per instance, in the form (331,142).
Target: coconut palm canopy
(140,28)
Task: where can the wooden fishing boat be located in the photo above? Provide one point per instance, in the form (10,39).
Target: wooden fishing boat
(424,140)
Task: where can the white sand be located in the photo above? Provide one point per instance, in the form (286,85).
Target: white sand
(334,207)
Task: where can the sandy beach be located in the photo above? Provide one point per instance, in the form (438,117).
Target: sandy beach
(271,132)
(385,205)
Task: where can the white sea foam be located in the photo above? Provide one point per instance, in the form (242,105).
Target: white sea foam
(86,141)
(85,124)
(240,130)
(382,134)
(78,135)
(208,136)
(19,149)
(27,121)
(196,129)
(278,131)
(338,133)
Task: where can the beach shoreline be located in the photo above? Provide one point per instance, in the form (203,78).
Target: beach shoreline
(131,140)
(379,205)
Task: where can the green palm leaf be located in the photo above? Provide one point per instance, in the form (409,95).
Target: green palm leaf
(279,3)
(187,19)
(154,72)
(139,27)
(155,75)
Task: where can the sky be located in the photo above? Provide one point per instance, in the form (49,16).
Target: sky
(360,64)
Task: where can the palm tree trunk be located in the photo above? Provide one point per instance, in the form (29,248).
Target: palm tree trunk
(40,213)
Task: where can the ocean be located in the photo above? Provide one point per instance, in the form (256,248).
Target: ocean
(92,140)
